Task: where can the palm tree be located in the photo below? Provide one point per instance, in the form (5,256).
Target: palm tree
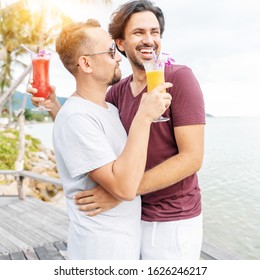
(20,25)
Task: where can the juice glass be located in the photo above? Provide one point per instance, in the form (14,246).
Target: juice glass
(155,75)
(40,67)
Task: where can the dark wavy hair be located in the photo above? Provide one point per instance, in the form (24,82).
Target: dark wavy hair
(122,15)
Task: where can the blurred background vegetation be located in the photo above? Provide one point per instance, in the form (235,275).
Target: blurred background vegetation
(34,23)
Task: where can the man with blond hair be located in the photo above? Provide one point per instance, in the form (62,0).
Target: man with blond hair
(91,146)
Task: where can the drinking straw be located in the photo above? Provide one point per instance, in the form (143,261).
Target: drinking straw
(154,55)
(28,50)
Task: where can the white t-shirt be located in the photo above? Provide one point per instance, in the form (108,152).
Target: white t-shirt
(87,136)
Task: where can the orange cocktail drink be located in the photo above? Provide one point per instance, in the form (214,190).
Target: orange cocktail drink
(154,78)
(154,74)
(154,70)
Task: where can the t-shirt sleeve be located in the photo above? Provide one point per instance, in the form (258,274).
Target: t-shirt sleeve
(83,145)
(187,99)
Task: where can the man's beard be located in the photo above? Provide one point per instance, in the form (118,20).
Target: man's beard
(133,60)
(116,77)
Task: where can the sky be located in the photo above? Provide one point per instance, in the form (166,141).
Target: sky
(218,40)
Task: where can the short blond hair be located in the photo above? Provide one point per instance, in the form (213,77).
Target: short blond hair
(73,41)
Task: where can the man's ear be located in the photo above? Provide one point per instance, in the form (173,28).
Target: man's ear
(84,64)
(120,44)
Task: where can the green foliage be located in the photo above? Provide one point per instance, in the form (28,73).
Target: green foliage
(8,151)
(34,144)
(9,140)
(21,25)
(33,116)
(28,114)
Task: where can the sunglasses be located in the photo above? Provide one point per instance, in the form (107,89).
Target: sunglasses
(111,52)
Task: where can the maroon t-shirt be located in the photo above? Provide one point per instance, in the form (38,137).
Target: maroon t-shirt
(183,199)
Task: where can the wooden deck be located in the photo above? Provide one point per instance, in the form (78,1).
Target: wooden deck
(34,230)
(31,229)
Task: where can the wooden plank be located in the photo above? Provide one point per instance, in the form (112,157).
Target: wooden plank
(24,224)
(39,210)
(29,224)
(17,256)
(44,226)
(2,248)
(5,257)
(53,220)
(17,206)
(48,252)
(48,220)
(7,200)
(11,242)
(61,246)
(20,232)
(6,245)
(35,207)
(47,217)
(30,254)
(38,204)
(26,206)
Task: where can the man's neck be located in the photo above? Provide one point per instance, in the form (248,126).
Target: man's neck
(93,93)
(138,83)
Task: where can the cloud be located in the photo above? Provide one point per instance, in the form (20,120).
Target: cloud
(219,41)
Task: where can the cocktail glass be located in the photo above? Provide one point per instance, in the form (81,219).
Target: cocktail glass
(154,70)
(40,67)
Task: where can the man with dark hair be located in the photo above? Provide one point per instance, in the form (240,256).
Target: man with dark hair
(171,198)
(122,15)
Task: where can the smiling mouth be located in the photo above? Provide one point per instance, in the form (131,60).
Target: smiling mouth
(146,50)
(146,53)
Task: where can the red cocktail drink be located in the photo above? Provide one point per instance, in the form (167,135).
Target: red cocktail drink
(40,67)
(41,75)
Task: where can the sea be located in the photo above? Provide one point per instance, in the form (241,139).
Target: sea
(229,181)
